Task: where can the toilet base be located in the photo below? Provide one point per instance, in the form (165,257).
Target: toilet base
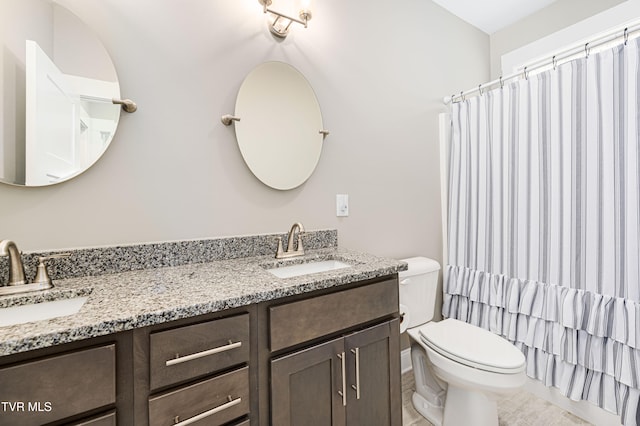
(431,412)
(469,395)
(467,407)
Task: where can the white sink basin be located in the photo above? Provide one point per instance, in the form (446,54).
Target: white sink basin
(307,268)
(40,311)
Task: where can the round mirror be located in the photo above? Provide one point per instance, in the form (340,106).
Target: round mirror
(279,132)
(57,83)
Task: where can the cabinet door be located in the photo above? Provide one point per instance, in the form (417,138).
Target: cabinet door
(373,372)
(307,386)
(53,388)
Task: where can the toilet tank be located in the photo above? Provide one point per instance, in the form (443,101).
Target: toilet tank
(418,287)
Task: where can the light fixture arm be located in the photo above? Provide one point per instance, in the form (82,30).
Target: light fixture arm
(304,17)
(302,21)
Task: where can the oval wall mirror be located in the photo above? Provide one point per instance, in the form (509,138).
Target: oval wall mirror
(57,83)
(280,128)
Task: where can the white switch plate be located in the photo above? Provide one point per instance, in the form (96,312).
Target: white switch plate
(342,205)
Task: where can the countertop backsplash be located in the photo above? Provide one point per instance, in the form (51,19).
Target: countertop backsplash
(121,258)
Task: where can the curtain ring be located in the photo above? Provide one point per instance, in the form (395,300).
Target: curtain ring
(501,83)
(526,74)
(626,36)
(554,61)
(587,50)
(480,89)
(462,96)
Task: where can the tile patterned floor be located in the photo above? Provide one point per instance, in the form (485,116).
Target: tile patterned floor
(520,409)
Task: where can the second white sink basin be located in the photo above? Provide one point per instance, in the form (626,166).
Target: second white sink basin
(40,311)
(307,268)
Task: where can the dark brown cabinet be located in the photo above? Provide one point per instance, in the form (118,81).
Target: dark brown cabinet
(334,357)
(196,372)
(327,357)
(315,317)
(104,420)
(183,353)
(213,401)
(305,386)
(75,384)
(353,380)
(373,376)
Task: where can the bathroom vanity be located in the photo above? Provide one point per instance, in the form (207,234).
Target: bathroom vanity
(351,375)
(223,341)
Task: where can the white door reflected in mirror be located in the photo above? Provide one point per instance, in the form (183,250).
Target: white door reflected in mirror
(57,84)
(279,131)
(69,120)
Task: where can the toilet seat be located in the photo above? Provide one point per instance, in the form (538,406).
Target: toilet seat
(472,346)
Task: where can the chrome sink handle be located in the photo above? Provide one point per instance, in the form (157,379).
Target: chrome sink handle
(42,275)
(279,250)
(16,268)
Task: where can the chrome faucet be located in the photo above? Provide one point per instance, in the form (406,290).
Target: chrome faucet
(299,251)
(17,281)
(16,268)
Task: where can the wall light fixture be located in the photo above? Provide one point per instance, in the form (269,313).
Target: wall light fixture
(280,23)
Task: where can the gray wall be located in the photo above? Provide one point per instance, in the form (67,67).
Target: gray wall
(173,171)
(555,17)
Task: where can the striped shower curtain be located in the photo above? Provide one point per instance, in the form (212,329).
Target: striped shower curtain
(544,224)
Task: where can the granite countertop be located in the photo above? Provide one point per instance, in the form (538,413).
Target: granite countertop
(133,299)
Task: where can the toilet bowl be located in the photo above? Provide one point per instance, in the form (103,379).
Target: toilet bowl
(459,369)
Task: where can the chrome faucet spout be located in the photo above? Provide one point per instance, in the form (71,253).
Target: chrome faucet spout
(299,251)
(300,229)
(16,268)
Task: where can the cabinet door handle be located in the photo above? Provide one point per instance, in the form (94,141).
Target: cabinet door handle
(343,392)
(356,352)
(208,413)
(181,359)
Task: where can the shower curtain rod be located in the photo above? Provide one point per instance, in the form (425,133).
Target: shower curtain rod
(613,38)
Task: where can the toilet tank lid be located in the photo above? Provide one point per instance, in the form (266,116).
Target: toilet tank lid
(419,265)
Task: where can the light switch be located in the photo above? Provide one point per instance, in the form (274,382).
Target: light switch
(342,204)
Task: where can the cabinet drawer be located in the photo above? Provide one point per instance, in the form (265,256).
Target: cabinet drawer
(105,420)
(183,353)
(210,402)
(307,319)
(59,386)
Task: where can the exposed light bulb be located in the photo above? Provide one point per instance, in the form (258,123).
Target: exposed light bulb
(280,26)
(306,6)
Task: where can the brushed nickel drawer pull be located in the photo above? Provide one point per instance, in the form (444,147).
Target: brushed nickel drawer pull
(343,392)
(356,352)
(211,412)
(179,360)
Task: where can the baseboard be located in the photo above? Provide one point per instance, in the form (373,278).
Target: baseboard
(583,409)
(405,360)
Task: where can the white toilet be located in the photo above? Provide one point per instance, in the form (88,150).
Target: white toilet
(459,368)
